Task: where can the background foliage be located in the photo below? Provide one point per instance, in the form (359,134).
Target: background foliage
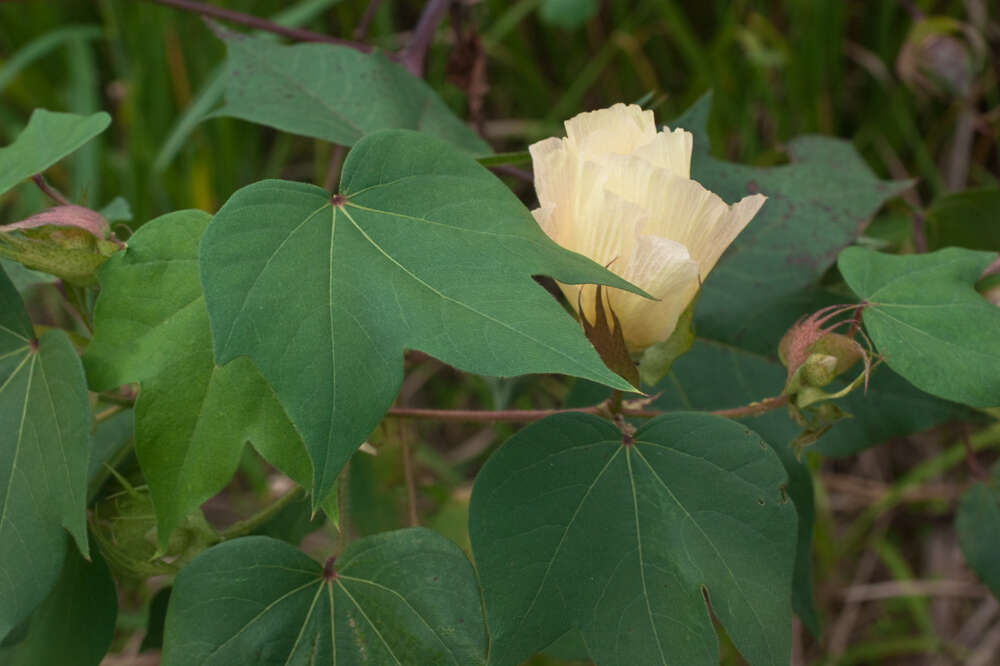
(891,584)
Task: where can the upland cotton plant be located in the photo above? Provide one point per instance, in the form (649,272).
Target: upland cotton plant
(621,193)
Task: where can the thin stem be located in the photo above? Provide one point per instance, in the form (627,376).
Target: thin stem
(76,300)
(343,509)
(528,415)
(423,34)
(106,414)
(362,30)
(50,191)
(333,169)
(244,527)
(754,408)
(411,485)
(252,21)
(497,416)
(615,403)
(976,467)
(117,399)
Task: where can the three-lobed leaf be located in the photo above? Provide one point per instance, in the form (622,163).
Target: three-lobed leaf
(48,137)
(44,441)
(572,526)
(404,597)
(422,249)
(928,321)
(334,93)
(192,417)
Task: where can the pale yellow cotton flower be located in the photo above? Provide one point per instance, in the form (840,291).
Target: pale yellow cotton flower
(621,193)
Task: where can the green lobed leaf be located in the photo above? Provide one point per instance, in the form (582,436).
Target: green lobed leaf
(816,206)
(928,321)
(718,376)
(333,93)
(75,624)
(573,527)
(404,597)
(714,375)
(48,138)
(192,417)
(428,251)
(977,523)
(44,435)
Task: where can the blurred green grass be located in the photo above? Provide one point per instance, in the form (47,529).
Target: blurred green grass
(778,69)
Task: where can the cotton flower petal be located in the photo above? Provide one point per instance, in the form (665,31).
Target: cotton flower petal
(667,272)
(619,192)
(620,129)
(545,216)
(554,170)
(684,211)
(601,226)
(670,151)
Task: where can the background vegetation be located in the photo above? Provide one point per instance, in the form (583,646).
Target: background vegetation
(913,84)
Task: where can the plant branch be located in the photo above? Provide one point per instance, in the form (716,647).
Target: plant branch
(244,527)
(117,399)
(496,416)
(754,408)
(106,414)
(52,192)
(362,30)
(416,51)
(978,471)
(251,21)
(601,409)
(411,484)
(333,169)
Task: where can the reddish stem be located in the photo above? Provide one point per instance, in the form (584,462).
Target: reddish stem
(258,23)
(413,55)
(52,192)
(528,415)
